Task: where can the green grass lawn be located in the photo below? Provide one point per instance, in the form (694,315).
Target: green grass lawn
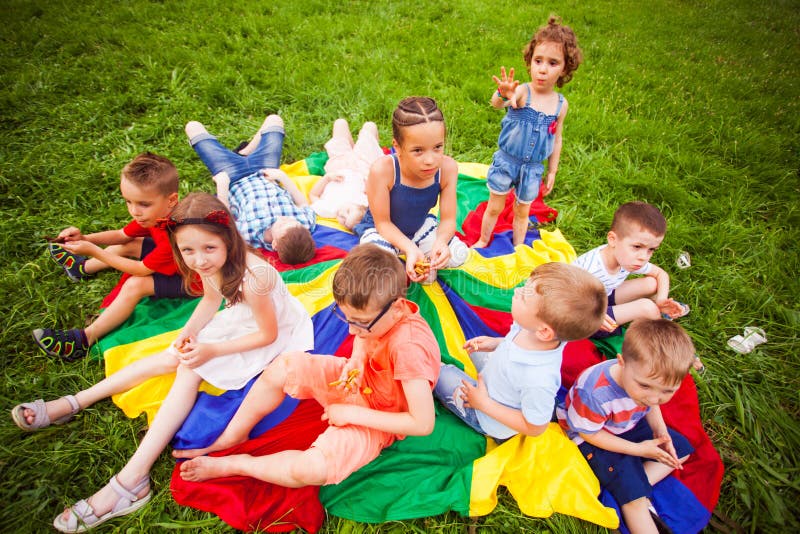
(691,106)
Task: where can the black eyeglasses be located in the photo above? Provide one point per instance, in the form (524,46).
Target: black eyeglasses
(337,311)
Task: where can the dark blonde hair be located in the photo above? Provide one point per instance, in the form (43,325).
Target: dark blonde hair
(631,215)
(151,170)
(296,246)
(414,110)
(573,301)
(661,345)
(555,32)
(369,274)
(196,207)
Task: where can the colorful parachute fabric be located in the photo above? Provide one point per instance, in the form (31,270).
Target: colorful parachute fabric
(452,469)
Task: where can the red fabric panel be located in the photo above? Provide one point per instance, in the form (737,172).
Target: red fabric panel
(323,253)
(246,503)
(498,321)
(471,228)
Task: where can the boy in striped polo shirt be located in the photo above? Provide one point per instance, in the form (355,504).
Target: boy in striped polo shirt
(612,413)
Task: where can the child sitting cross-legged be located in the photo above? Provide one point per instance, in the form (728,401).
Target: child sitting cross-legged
(395,358)
(270,210)
(637,230)
(521,373)
(612,412)
(149,185)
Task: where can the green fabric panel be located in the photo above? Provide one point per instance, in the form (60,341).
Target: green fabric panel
(469,193)
(475,292)
(151,317)
(431,316)
(610,346)
(316,163)
(307,273)
(415,477)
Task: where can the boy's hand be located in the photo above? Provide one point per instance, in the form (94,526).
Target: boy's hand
(670,307)
(70,234)
(339,414)
(81,247)
(507,85)
(275,175)
(474,396)
(661,450)
(481,344)
(609,325)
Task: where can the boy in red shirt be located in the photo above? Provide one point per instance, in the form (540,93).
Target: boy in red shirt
(149,185)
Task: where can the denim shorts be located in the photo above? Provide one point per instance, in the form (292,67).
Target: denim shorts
(507,172)
(622,475)
(219,159)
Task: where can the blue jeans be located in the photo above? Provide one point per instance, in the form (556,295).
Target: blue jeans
(448,390)
(217,158)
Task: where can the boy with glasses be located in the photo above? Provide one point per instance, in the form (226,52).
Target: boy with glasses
(382,393)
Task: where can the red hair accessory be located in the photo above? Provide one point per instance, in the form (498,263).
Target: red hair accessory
(218,217)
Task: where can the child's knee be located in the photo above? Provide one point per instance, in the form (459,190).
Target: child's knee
(310,468)
(650,309)
(138,287)
(273,120)
(194,128)
(521,211)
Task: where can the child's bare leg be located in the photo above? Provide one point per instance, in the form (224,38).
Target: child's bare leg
(520,224)
(637,516)
(271,120)
(123,380)
(656,471)
(369,129)
(633,300)
(170,417)
(223,182)
(341,130)
(128,250)
(636,288)
(493,210)
(133,290)
(291,469)
(265,395)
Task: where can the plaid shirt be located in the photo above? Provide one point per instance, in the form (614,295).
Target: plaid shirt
(256,203)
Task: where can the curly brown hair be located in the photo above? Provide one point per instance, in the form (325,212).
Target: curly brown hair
(555,32)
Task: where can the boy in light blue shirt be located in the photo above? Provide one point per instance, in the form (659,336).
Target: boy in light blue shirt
(519,375)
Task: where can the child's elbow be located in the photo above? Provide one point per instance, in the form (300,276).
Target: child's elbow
(424,428)
(535,430)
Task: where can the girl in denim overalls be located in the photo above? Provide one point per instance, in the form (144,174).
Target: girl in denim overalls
(531,130)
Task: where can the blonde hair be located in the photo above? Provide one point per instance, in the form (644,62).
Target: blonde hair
(369,274)
(573,301)
(661,345)
(151,170)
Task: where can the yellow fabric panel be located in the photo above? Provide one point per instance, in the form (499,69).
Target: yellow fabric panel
(147,396)
(316,294)
(545,474)
(476,170)
(453,335)
(332,223)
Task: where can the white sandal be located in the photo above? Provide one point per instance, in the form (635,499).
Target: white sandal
(82,517)
(40,417)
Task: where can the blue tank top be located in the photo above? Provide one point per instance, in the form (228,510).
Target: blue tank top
(408,206)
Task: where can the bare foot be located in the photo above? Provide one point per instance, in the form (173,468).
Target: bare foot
(480,243)
(205,467)
(223,442)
